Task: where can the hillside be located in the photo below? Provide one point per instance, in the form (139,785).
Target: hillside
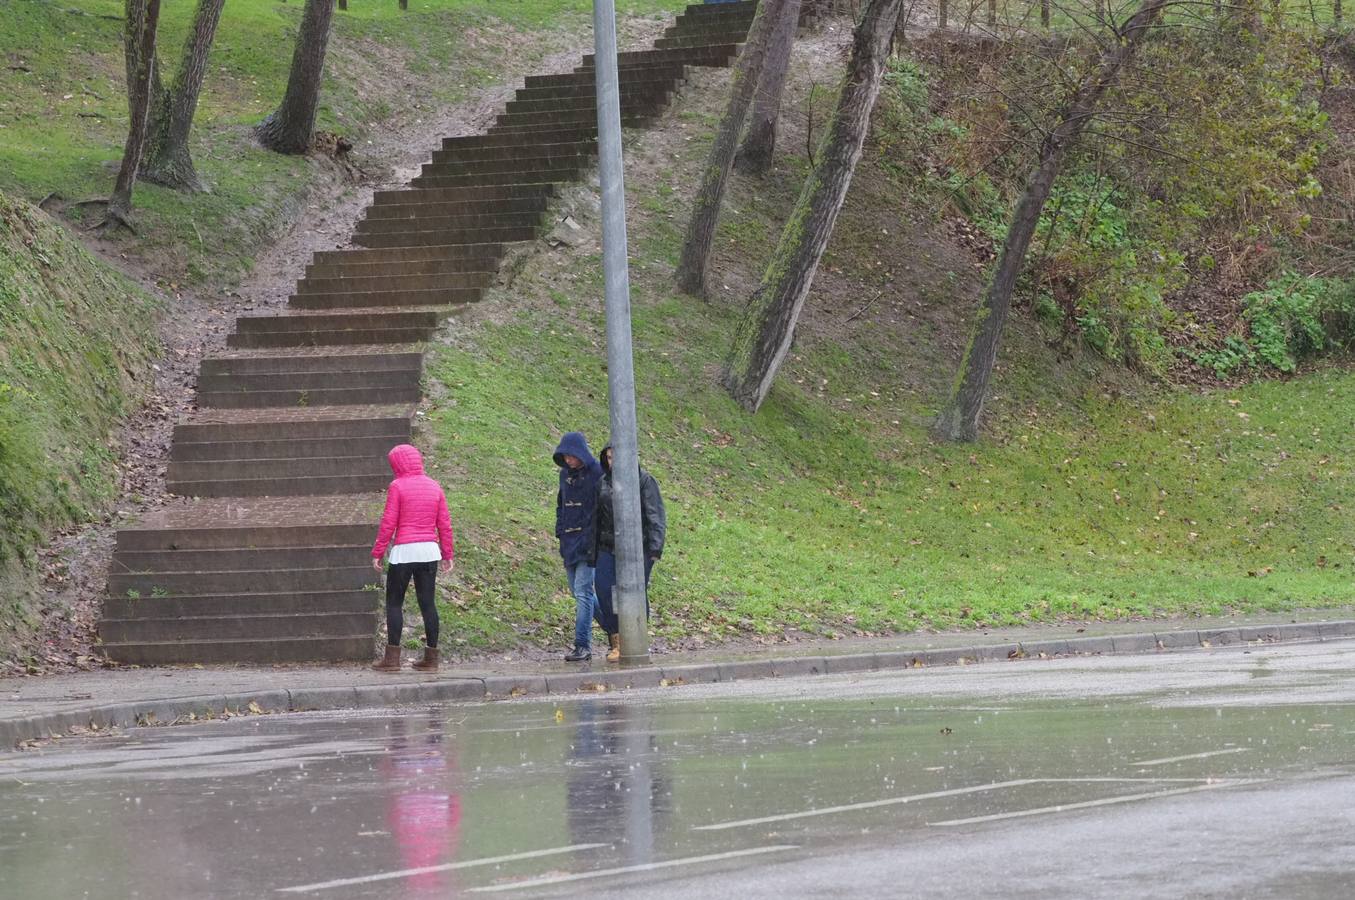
(1099,493)
(77,340)
(1149,449)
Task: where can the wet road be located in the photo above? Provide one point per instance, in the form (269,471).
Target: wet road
(1227,773)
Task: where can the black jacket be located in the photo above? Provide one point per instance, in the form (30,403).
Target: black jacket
(653,516)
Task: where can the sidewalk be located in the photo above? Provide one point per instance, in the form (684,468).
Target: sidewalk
(35,708)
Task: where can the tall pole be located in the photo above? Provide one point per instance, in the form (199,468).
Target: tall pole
(629,593)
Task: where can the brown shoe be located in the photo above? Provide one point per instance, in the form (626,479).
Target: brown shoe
(614,654)
(390,662)
(429,663)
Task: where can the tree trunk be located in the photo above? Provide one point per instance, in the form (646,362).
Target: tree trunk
(759,144)
(691,270)
(289,129)
(404,4)
(764,334)
(143,19)
(168,160)
(959,420)
(343,4)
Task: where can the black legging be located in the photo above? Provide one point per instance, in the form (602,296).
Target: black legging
(425,575)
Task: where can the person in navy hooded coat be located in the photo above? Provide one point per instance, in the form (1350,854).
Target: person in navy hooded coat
(574,507)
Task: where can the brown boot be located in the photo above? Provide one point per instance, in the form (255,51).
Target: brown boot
(614,654)
(429,663)
(390,662)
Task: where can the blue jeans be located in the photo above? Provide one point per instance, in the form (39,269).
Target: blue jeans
(580,577)
(606,581)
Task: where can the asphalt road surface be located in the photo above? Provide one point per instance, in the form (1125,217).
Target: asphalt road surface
(1225,773)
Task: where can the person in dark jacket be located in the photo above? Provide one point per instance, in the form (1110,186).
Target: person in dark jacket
(602,555)
(574,506)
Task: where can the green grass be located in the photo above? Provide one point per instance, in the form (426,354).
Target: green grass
(831,512)
(76,340)
(63,111)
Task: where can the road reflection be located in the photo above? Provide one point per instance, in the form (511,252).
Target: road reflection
(616,791)
(423,810)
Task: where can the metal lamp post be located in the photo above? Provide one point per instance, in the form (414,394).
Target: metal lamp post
(629,593)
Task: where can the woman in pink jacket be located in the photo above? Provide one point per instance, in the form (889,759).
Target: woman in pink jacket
(418,531)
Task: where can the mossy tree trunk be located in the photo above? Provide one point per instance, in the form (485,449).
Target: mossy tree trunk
(759,144)
(168,160)
(142,22)
(691,270)
(291,126)
(764,334)
(959,419)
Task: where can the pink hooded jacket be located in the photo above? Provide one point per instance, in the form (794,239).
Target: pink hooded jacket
(416,508)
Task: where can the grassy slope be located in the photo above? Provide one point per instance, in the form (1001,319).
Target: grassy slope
(76,340)
(831,511)
(63,122)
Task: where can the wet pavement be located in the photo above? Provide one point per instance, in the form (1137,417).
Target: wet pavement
(1224,773)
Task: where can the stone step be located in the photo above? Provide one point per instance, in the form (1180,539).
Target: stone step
(293,625)
(474,193)
(300,448)
(259,651)
(630,99)
(241,604)
(710,39)
(349,299)
(717,55)
(134,585)
(286,365)
(526,127)
(472,256)
(141,540)
(572,116)
(529,166)
(486,141)
(459,222)
(329,337)
(714,10)
(458,286)
(358,318)
(297,430)
(288,397)
(308,381)
(633,74)
(586,89)
(280,487)
(317,466)
(526,154)
(437,237)
(450,268)
(235,559)
(465,207)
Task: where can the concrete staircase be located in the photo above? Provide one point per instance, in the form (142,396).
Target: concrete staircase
(283,467)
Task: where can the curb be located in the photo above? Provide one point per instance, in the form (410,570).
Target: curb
(182,710)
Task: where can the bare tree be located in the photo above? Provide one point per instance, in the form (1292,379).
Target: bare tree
(143,20)
(959,420)
(289,129)
(168,160)
(691,270)
(759,144)
(764,334)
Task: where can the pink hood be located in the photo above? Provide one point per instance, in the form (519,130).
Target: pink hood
(405,459)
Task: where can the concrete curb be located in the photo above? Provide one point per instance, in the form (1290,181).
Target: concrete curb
(179,710)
